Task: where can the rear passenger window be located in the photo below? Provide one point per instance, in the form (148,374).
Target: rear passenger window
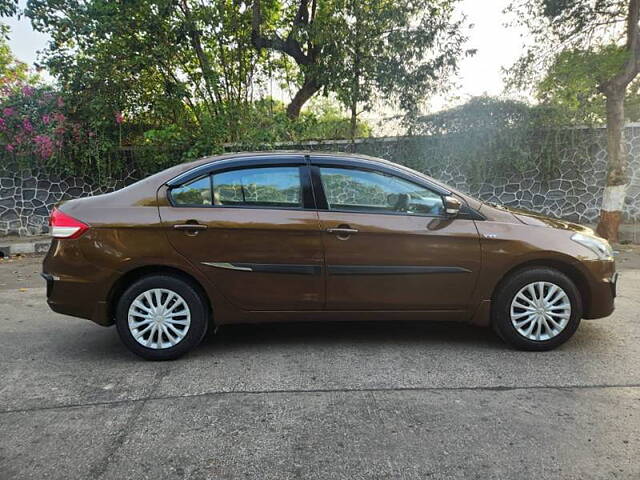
(197,192)
(261,187)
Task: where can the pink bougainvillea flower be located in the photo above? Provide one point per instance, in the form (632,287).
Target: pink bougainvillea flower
(59,117)
(3,124)
(27,91)
(26,124)
(46,119)
(44,146)
(10,148)
(119,118)
(8,111)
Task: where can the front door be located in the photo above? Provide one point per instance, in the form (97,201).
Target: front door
(389,246)
(254,232)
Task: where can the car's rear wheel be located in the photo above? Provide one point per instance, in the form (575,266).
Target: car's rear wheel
(161,317)
(537,309)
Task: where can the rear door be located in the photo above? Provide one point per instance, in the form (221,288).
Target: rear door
(388,244)
(250,225)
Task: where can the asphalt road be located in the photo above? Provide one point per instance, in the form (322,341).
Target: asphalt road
(353,401)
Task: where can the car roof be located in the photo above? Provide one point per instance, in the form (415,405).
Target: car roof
(230,155)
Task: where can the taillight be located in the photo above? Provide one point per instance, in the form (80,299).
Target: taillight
(65,226)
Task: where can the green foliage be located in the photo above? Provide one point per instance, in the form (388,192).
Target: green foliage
(158,61)
(399,51)
(8,8)
(587,34)
(492,137)
(260,125)
(12,71)
(192,63)
(362,51)
(178,77)
(572,85)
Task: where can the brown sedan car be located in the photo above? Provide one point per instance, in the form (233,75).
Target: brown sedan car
(293,236)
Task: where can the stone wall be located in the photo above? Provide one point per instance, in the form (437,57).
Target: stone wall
(27,196)
(573,190)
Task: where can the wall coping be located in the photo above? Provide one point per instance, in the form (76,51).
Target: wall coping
(395,138)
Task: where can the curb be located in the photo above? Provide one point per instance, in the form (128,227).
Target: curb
(14,248)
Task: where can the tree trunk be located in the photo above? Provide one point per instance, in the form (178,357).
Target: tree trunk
(354,124)
(205,67)
(616,187)
(309,88)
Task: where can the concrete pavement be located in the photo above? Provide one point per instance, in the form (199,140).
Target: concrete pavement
(371,400)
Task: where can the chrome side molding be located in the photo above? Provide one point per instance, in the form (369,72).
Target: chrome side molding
(228,266)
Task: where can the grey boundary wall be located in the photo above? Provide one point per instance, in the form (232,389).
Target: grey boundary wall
(27,197)
(573,192)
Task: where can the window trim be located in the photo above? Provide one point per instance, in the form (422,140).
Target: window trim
(326,160)
(249,161)
(308,202)
(313,193)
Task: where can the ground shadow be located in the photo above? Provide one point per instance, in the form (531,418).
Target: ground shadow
(321,334)
(103,343)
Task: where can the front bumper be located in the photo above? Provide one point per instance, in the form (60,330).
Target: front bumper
(614,284)
(603,287)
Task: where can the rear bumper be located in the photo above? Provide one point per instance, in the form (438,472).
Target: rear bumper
(74,286)
(62,298)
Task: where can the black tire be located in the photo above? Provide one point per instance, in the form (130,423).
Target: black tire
(198,310)
(509,288)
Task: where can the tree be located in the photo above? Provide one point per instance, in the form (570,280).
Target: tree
(571,85)
(611,25)
(186,61)
(357,49)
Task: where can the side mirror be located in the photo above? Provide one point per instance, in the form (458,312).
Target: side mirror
(452,206)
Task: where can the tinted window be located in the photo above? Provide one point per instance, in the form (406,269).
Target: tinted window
(266,187)
(349,189)
(197,192)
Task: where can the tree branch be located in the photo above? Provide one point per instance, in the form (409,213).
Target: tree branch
(618,83)
(290,46)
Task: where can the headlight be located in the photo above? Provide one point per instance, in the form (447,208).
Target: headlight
(597,245)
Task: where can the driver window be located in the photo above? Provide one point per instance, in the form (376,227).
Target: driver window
(375,192)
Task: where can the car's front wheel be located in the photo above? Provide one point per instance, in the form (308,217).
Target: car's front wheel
(537,309)
(161,317)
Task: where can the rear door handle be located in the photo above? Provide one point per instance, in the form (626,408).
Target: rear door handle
(190,226)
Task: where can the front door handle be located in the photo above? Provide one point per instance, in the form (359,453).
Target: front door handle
(342,230)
